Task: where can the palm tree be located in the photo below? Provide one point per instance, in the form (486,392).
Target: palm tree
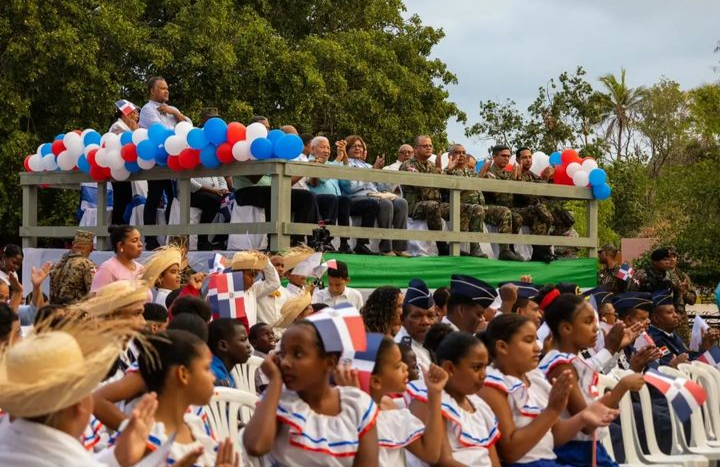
(621,106)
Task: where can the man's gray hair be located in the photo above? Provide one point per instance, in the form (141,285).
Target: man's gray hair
(316,140)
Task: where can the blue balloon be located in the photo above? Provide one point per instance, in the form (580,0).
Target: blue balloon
(161,157)
(556,158)
(601,192)
(132,167)
(208,157)
(60,136)
(46,149)
(288,147)
(83,164)
(261,148)
(479,165)
(597,177)
(92,137)
(126,138)
(196,138)
(157,133)
(215,131)
(275,135)
(147,150)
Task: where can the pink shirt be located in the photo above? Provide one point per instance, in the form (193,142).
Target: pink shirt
(113,270)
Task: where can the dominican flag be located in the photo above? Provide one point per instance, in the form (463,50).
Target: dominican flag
(341,329)
(226,296)
(126,107)
(625,272)
(643,341)
(216,264)
(711,357)
(364,362)
(226,206)
(685,396)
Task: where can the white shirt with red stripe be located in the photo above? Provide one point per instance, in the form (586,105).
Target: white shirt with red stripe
(396,429)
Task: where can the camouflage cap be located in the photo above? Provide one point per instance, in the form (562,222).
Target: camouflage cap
(83,236)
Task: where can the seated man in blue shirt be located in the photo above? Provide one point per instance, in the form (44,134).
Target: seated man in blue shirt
(229,344)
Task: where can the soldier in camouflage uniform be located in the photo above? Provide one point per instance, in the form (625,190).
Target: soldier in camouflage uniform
(473,210)
(689,293)
(72,276)
(607,275)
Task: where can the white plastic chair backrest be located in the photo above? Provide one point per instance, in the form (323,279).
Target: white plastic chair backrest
(606,383)
(696,423)
(627,423)
(646,406)
(227,407)
(709,378)
(244,374)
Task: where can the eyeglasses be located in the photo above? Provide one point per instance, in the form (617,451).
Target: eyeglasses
(357,146)
(405,152)
(426,146)
(459,153)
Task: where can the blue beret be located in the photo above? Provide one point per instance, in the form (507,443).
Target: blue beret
(568,287)
(525,289)
(600,294)
(418,295)
(628,300)
(662,297)
(476,290)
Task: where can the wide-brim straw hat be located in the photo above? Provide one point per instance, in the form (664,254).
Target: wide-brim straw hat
(55,368)
(115,296)
(160,260)
(295,256)
(249,260)
(292,309)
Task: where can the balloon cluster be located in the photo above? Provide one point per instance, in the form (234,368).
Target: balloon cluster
(571,169)
(112,156)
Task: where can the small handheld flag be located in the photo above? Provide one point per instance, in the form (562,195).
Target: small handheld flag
(216,264)
(625,272)
(341,328)
(226,296)
(365,361)
(711,357)
(643,341)
(700,326)
(684,395)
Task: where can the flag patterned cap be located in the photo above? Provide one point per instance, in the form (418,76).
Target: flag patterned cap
(662,297)
(524,289)
(629,300)
(126,107)
(341,328)
(478,291)
(418,295)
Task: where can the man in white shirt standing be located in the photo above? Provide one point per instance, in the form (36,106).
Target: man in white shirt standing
(337,290)
(418,314)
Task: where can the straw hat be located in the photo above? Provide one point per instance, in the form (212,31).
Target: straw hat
(292,309)
(52,369)
(161,259)
(115,296)
(295,256)
(249,260)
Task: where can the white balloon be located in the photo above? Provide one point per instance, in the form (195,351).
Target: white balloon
(90,147)
(119,173)
(572,168)
(73,143)
(182,129)
(146,164)
(254,131)
(84,132)
(141,134)
(581,178)
(65,161)
(175,144)
(589,165)
(36,163)
(49,163)
(101,158)
(112,141)
(241,151)
(114,160)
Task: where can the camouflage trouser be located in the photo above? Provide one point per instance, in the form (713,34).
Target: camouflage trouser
(537,216)
(471,215)
(683,329)
(502,218)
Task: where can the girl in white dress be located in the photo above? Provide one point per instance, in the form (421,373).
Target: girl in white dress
(528,408)
(574,327)
(471,429)
(302,421)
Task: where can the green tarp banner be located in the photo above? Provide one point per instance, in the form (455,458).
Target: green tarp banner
(369,272)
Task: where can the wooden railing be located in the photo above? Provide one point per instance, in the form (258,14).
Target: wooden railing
(280,227)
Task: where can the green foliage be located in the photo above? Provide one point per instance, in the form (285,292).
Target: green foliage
(631,196)
(705,110)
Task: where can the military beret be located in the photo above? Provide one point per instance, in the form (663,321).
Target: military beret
(662,297)
(476,290)
(418,295)
(525,289)
(660,254)
(629,300)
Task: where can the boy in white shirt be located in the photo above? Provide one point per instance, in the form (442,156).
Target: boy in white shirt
(337,290)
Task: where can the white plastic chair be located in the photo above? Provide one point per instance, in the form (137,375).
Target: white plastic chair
(244,374)
(631,444)
(227,407)
(709,378)
(655,455)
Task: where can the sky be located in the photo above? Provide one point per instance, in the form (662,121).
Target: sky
(502,49)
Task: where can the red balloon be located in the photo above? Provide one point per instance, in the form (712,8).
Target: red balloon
(568,156)
(174,163)
(559,174)
(224,153)
(57,147)
(26,163)
(97,173)
(106,171)
(129,152)
(189,158)
(78,132)
(509,167)
(91,157)
(235,132)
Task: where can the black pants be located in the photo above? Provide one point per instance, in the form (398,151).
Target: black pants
(358,206)
(328,207)
(303,204)
(210,205)
(122,196)
(155,192)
